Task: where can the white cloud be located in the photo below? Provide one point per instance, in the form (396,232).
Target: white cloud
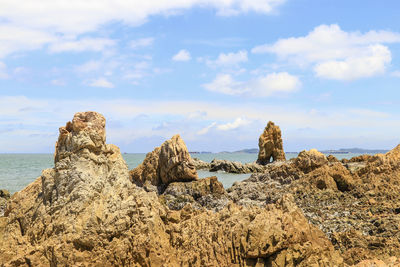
(356,67)
(101,82)
(334,53)
(238,122)
(229,60)
(263,86)
(182,55)
(140,43)
(396,73)
(28,25)
(17,38)
(206,129)
(85,44)
(89,66)
(3,71)
(58,82)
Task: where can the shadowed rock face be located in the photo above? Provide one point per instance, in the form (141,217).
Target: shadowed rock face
(171,162)
(86,212)
(270,145)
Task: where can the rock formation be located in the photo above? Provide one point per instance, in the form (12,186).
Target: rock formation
(86,212)
(166,164)
(235,167)
(270,145)
(4,197)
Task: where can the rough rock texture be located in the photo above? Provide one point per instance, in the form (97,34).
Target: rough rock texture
(355,204)
(200,165)
(166,164)
(270,145)
(86,212)
(207,192)
(235,167)
(4,197)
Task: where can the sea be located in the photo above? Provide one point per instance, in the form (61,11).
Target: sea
(19,170)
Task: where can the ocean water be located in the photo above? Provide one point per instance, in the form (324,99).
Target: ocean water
(19,170)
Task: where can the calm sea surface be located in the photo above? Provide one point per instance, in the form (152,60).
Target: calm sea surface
(18,170)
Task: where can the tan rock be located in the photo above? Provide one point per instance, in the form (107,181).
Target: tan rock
(270,145)
(166,164)
(310,160)
(86,212)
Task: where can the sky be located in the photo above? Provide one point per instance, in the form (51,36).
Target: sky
(214,71)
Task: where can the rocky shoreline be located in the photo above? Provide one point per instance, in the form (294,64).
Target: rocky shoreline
(90,210)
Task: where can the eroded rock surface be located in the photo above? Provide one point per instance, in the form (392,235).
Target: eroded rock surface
(86,212)
(270,145)
(235,167)
(355,204)
(171,162)
(4,197)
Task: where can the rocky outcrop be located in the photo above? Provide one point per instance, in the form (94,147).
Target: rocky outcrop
(4,197)
(171,162)
(86,212)
(310,160)
(270,145)
(235,167)
(200,164)
(207,192)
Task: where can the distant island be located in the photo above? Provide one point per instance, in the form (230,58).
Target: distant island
(330,151)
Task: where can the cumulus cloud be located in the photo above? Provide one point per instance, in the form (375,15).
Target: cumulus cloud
(263,86)
(229,59)
(140,43)
(182,55)
(238,122)
(334,53)
(27,25)
(351,68)
(85,44)
(206,129)
(101,82)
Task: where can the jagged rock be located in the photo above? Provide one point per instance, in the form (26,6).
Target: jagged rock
(166,164)
(4,197)
(200,165)
(361,158)
(86,212)
(271,145)
(332,158)
(235,167)
(206,192)
(310,160)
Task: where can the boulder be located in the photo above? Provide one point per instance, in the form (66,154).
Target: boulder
(310,160)
(171,162)
(270,145)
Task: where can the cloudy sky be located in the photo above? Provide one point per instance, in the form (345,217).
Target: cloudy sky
(215,71)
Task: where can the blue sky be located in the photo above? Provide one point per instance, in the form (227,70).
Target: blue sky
(216,72)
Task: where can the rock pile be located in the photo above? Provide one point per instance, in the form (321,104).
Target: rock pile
(270,145)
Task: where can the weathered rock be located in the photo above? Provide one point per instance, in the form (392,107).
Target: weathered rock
(310,160)
(86,212)
(4,197)
(200,165)
(235,167)
(270,145)
(166,164)
(206,192)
